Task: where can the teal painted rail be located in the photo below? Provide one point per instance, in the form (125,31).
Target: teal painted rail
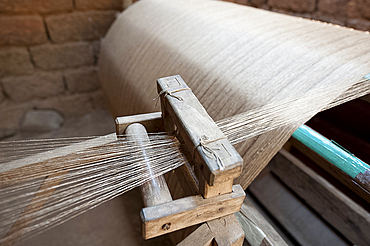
(330,151)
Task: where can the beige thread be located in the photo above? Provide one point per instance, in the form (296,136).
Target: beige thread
(170,93)
(211,150)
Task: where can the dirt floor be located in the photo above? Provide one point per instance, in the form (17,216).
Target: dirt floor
(116,222)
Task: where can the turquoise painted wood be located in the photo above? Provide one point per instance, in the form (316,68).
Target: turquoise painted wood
(331,152)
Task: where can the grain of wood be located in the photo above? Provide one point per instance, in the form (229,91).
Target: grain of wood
(252,215)
(301,223)
(151,121)
(234,58)
(46,189)
(189,211)
(341,212)
(46,163)
(155,191)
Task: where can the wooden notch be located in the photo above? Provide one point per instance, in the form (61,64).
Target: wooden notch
(183,113)
(151,121)
(188,211)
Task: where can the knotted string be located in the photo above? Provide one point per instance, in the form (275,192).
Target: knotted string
(210,151)
(170,93)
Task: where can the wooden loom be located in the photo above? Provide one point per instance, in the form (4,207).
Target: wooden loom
(319,50)
(215,161)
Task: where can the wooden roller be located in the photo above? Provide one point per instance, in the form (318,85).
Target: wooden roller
(235,59)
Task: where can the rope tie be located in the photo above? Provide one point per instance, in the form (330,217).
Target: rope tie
(210,151)
(169,93)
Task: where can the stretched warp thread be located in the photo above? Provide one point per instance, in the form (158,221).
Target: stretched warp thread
(273,77)
(97,174)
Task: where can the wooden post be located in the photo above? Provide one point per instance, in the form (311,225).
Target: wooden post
(155,191)
(217,160)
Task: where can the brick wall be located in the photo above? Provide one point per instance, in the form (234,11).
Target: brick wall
(350,13)
(48,56)
(49,49)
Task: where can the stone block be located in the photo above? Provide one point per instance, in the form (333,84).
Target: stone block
(11,115)
(82,79)
(359,24)
(69,105)
(294,5)
(336,9)
(15,61)
(41,120)
(38,85)
(54,56)
(364,8)
(99,4)
(35,6)
(258,3)
(22,30)
(352,11)
(78,26)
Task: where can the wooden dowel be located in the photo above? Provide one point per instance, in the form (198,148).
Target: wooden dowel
(155,191)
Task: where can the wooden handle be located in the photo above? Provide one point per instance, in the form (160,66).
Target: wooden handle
(155,191)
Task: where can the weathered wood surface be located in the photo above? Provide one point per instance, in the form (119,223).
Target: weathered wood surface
(260,230)
(189,211)
(341,212)
(234,58)
(218,159)
(41,197)
(225,231)
(47,163)
(360,187)
(301,223)
(155,191)
(202,236)
(151,121)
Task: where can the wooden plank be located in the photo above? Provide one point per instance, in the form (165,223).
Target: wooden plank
(38,201)
(356,184)
(342,213)
(155,191)
(152,122)
(188,211)
(224,231)
(217,158)
(45,163)
(202,236)
(302,224)
(257,229)
(227,231)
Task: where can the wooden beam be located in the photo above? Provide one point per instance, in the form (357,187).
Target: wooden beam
(342,213)
(202,236)
(151,121)
(188,211)
(256,228)
(227,231)
(155,191)
(217,158)
(302,224)
(46,163)
(224,231)
(356,184)
(41,197)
